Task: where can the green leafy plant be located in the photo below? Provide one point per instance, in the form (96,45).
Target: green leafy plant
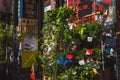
(6,33)
(64,49)
(89,29)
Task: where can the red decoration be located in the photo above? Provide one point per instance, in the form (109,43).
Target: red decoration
(79,9)
(89,52)
(101,8)
(74,5)
(85,6)
(69,56)
(93,17)
(79,2)
(94,6)
(109,1)
(69,3)
(32,76)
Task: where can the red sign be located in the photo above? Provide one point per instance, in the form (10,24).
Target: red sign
(107,1)
(82,7)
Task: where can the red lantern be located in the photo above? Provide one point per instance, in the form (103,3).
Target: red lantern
(89,52)
(69,56)
(32,76)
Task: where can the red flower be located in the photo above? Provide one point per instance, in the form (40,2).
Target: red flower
(89,52)
(69,56)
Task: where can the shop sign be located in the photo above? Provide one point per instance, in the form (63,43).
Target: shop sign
(27,9)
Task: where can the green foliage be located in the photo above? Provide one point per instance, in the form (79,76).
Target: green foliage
(59,40)
(58,16)
(89,29)
(1,30)
(75,73)
(6,33)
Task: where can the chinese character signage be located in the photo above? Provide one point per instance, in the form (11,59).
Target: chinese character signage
(29,40)
(27,20)
(27,9)
(82,7)
(107,9)
(91,10)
